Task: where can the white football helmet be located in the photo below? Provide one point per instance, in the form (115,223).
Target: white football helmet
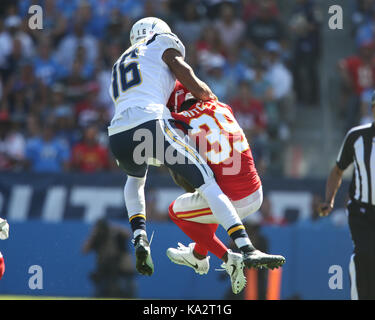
(147,27)
(4,229)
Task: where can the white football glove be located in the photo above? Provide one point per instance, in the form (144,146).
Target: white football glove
(4,229)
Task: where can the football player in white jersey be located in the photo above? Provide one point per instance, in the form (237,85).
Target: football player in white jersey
(142,132)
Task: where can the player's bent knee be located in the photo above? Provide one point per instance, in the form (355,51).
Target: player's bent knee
(207,183)
(250,204)
(258,203)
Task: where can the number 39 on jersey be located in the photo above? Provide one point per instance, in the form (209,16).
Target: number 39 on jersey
(220,138)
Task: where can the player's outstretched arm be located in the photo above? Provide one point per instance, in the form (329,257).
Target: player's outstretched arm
(185,74)
(333,184)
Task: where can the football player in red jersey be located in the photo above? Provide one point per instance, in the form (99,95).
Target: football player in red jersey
(2,266)
(221,141)
(4,234)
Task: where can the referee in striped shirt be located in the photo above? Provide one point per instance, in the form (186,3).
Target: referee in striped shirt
(358,148)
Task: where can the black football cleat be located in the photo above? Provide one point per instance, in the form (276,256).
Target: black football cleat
(144,264)
(259,259)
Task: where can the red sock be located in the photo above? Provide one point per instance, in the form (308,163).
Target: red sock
(202,234)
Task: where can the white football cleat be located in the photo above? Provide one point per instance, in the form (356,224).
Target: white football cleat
(184,255)
(234,267)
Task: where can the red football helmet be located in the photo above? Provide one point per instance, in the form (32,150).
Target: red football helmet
(178,96)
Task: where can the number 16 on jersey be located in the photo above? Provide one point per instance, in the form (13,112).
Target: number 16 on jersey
(127,73)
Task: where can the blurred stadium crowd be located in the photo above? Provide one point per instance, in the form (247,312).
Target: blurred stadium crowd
(357,71)
(55,105)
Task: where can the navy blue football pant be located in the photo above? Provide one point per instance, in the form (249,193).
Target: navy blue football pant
(136,148)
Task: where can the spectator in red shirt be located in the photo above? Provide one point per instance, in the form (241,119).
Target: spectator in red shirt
(89,156)
(250,9)
(251,116)
(89,108)
(358,75)
(358,71)
(249,111)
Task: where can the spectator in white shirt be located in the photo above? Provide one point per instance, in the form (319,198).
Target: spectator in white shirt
(279,76)
(12,144)
(229,27)
(67,49)
(281,80)
(12,31)
(190,26)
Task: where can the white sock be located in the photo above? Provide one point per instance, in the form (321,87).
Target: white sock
(134,194)
(138,232)
(241,242)
(219,204)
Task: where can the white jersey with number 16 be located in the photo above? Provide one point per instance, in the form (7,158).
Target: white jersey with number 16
(142,82)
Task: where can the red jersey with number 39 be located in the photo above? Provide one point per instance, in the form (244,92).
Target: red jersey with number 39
(222,143)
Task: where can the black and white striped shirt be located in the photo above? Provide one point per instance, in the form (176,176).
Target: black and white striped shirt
(359,148)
